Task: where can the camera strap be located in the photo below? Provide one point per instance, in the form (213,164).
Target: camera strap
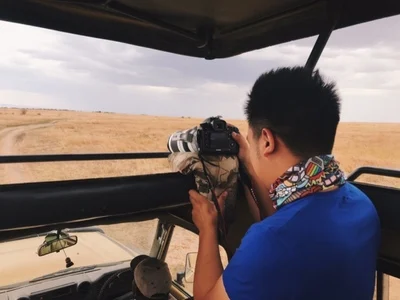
(245,179)
(214,197)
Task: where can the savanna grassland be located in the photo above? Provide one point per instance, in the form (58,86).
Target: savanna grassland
(52,131)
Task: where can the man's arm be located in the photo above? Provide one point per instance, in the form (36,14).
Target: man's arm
(207,278)
(246,272)
(208,265)
(251,273)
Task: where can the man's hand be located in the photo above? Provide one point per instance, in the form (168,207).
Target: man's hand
(265,207)
(244,148)
(204,212)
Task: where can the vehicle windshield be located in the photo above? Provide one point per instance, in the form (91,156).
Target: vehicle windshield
(20,263)
(64,93)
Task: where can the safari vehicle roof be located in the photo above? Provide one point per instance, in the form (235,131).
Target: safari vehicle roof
(199,28)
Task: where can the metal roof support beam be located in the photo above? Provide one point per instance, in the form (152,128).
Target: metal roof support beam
(319,46)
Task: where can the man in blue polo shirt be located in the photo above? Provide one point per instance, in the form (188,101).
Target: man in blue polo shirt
(317,236)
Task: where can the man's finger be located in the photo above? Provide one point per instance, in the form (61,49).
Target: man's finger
(197,196)
(194,194)
(193,201)
(240,139)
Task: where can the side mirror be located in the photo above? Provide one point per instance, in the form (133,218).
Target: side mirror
(190,265)
(54,242)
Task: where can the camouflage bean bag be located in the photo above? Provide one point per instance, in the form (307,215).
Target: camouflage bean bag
(223,172)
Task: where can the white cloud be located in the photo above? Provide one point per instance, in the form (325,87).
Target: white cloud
(356,66)
(27,99)
(368,78)
(53,69)
(291,54)
(203,100)
(17,36)
(163,90)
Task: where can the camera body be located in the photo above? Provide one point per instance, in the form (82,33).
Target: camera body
(212,137)
(215,137)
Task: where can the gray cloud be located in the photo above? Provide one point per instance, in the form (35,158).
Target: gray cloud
(46,68)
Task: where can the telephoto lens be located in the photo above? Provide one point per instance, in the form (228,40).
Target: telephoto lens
(183,141)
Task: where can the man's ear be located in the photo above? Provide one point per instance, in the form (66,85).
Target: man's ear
(268,141)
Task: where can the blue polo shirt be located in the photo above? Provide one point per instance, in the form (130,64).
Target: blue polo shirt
(323,246)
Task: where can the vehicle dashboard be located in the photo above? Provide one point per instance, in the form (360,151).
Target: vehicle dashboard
(84,285)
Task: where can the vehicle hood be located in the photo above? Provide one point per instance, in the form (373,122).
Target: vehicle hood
(19,260)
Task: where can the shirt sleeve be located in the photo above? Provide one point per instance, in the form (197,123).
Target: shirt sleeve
(249,272)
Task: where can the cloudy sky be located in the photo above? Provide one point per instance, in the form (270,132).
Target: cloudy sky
(49,69)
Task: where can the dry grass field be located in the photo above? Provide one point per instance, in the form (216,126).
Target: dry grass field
(50,131)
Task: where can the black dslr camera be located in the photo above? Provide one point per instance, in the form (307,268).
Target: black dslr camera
(215,137)
(212,137)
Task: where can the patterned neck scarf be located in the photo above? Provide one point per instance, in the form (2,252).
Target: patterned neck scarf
(318,173)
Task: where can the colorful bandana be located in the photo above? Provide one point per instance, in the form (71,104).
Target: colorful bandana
(318,173)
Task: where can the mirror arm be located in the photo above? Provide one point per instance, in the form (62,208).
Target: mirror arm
(179,278)
(161,240)
(166,240)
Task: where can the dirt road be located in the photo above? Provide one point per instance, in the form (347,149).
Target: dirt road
(8,138)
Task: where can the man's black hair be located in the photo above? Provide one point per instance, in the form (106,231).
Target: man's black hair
(298,106)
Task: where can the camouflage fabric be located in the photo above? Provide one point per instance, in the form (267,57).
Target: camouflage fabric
(223,173)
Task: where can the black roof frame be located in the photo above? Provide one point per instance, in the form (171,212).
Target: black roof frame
(208,29)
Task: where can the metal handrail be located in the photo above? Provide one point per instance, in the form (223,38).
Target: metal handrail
(9,159)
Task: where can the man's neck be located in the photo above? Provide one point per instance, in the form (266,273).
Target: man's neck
(282,165)
(315,174)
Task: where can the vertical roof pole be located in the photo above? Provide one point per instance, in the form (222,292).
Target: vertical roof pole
(333,17)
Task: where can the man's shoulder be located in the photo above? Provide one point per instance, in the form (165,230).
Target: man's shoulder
(364,211)
(349,191)
(354,192)
(345,213)
(346,198)
(347,206)
(354,199)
